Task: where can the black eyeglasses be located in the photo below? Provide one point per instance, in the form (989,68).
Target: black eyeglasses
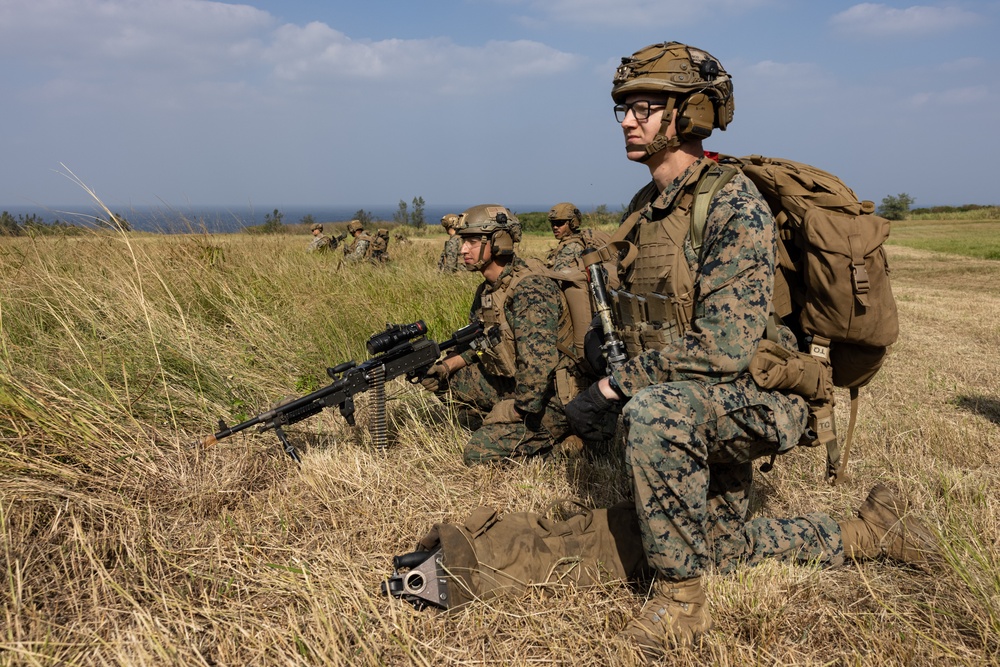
(640,109)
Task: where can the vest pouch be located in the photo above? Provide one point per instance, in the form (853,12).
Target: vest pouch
(632,341)
(776,368)
(657,338)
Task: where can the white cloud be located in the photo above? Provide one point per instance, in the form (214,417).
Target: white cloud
(637,12)
(106,49)
(877,20)
(141,32)
(956,98)
(317,54)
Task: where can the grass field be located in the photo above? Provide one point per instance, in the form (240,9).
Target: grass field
(125,544)
(970,238)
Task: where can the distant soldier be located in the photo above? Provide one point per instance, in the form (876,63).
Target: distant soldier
(400,238)
(320,241)
(565,220)
(449,256)
(361,247)
(380,247)
(511,390)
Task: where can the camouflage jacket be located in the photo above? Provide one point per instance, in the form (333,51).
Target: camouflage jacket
(321,242)
(449,256)
(359,249)
(566,255)
(733,285)
(532,311)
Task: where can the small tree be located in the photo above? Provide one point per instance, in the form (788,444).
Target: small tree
(401,216)
(417,218)
(364,217)
(8,225)
(115,221)
(272,222)
(307,220)
(895,208)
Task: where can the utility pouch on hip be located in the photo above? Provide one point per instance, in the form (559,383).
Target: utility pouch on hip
(776,368)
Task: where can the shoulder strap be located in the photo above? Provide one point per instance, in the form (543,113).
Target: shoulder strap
(614,247)
(713,180)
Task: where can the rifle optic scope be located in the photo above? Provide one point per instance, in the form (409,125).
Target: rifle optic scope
(395,334)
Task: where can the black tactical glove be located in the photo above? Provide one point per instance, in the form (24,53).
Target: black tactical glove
(592,416)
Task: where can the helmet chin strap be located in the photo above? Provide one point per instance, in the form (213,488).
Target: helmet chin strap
(660,141)
(482,263)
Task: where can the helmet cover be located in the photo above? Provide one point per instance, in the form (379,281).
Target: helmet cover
(565,211)
(677,69)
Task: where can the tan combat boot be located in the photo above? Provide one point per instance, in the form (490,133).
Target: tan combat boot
(675,616)
(883,529)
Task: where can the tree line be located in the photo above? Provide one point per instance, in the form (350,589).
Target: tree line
(34,225)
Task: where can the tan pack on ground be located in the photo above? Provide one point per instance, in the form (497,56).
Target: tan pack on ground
(832,284)
(491,554)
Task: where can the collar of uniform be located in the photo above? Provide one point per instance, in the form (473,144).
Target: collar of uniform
(668,198)
(506,274)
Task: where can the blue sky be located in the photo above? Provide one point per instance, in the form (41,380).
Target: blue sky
(299,102)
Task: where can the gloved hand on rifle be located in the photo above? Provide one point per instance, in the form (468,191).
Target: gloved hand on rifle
(436,378)
(592,415)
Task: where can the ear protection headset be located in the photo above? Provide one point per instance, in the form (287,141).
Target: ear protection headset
(502,243)
(698,113)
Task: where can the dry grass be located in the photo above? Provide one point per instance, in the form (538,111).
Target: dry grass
(124,545)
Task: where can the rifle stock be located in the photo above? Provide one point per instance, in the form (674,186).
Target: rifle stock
(400,349)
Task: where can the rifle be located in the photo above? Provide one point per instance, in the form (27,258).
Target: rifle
(400,349)
(597,279)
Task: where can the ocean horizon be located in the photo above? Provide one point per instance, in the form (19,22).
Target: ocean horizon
(229,219)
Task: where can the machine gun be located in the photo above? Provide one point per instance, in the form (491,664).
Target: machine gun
(400,349)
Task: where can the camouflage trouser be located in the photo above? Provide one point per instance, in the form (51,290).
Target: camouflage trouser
(475,393)
(691,449)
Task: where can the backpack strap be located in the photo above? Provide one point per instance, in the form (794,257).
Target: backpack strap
(840,472)
(612,251)
(713,180)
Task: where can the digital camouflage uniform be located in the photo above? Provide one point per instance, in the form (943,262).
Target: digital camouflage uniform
(449,256)
(319,243)
(567,254)
(359,249)
(533,311)
(696,420)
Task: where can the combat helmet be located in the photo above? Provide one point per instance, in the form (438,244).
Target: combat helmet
(354,226)
(449,221)
(696,84)
(317,226)
(566,211)
(494,222)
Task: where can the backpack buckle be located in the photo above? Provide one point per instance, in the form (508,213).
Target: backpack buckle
(859,278)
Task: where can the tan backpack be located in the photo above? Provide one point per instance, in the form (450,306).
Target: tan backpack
(490,554)
(832,287)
